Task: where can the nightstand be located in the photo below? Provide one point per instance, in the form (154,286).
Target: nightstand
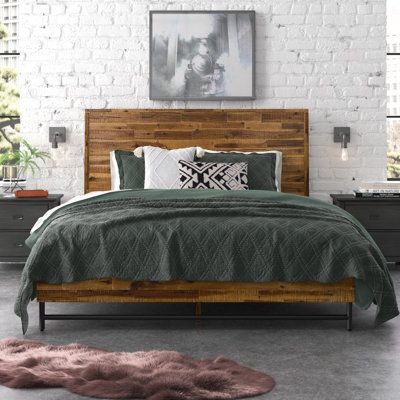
(17,217)
(380,217)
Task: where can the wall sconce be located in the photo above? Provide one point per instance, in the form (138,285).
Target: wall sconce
(57,135)
(342,135)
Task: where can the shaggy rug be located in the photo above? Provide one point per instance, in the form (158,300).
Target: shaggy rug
(153,375)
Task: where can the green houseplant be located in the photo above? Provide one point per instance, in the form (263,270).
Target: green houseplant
(19,161)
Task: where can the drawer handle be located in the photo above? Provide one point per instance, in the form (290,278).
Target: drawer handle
(19,245)
(18,217)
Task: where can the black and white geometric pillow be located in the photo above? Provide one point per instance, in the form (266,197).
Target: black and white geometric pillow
(210,175)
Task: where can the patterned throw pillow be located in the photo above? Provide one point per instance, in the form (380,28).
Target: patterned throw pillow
(223,176)
(264,168)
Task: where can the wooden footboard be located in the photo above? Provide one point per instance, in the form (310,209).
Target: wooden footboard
(122,291)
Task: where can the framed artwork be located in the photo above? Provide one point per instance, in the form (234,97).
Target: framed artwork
(202,55)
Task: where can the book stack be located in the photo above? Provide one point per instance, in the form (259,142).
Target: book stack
(384,189)
(31,193)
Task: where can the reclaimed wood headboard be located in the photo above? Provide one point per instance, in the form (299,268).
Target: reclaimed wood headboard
(214,129)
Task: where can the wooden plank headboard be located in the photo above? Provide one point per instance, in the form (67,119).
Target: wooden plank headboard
(231,129)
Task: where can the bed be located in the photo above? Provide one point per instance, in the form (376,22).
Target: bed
(228,130)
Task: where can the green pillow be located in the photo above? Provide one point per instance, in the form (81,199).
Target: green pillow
(261,167)
(131,170)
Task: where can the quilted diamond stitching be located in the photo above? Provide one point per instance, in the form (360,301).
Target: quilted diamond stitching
(231,239)
(161,166)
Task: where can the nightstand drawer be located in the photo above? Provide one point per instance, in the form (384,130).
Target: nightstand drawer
(13,244)
(388,242)
(386,216)
(20,216)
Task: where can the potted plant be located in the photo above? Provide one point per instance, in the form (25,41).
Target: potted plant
(17,162)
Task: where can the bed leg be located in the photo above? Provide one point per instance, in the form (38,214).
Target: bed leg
(41,316)
(349,312)
(198,309)
(197,314)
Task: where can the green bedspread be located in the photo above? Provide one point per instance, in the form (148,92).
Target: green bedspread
(210,235)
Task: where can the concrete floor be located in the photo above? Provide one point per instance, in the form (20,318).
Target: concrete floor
(310,360)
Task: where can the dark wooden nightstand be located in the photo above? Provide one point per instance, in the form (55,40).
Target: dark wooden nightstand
(381,218)
(17,217)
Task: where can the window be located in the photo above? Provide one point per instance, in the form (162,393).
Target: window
(393,81)
(9,94)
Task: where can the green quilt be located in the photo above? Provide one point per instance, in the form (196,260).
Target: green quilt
(211,235)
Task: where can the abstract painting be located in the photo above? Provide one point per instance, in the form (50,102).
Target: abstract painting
(202,55)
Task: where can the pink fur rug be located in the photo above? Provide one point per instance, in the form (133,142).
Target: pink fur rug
(153,375)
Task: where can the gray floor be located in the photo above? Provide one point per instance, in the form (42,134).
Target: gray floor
(309,360)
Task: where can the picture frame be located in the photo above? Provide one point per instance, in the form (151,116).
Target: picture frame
(202,55)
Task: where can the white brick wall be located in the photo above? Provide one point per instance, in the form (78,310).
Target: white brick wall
(324,55)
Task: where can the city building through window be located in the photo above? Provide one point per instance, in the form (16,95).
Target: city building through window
(393,88)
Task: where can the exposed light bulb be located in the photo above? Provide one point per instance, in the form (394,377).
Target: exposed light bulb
(345,154)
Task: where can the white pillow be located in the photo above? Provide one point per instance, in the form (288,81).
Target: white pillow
(278,161)
(115,179)
(161,166)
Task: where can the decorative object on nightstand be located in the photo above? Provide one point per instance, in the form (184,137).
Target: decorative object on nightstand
(379,189)
(17,217)
(381,218)
(31,193)
(17,162)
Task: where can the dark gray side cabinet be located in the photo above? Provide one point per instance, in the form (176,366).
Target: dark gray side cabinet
(381,218)
(17,217)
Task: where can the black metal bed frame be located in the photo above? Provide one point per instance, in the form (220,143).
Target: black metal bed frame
(348,317)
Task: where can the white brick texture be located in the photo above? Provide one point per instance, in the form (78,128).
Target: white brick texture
(324,55)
